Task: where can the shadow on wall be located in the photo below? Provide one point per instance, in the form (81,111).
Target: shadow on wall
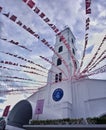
(20,114)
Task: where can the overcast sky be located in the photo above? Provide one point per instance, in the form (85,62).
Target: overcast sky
(61,13)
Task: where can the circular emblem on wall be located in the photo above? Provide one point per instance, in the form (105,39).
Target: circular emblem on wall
(57,94)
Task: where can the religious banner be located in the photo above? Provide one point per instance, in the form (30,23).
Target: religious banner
(39,106)
(6,111)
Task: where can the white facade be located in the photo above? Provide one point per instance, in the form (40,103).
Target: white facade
(83,98)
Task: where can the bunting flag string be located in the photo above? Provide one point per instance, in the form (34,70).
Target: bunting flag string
(93,58)
(8,80)
(97,59)
(101,69)
(31,72)
(42,15)
(16,64)
(97,71)
(17,90)
(18,86)
(98,62)
(3,67)
(53,64)
(28,29)
(15,77)
(26,82)
(15,43)
(27,60)
(87,11)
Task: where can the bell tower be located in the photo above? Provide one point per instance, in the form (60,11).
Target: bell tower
(59,89)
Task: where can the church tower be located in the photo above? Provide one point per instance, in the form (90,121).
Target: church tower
(59,89)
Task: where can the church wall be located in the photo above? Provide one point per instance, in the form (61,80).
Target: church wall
(39,95)
(89,98)
(62,108)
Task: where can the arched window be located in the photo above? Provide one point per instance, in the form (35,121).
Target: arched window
(73,51)
(60,49)
(75,65)
(72,40)
(56,78)
(59,62)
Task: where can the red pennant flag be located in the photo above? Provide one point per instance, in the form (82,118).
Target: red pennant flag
(88,20)
(54,27)
(3,39)
(43,40)
(88,3)
(42,15)
(25,27)
(19,23)
(31,3)
(2,61)
(12,41)
(46,20)
(7,15)
(25,1)
(37,36)
(10,63)
(13,18)
(88,11)
(30,31)
(0,8)
(36,10)
(16,43)
(56,30)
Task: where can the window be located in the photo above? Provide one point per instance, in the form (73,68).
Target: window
(60,49)
(59,62)
(60,76)
(56,78)
(73,51)
(60,39)
(75,65)
(72,40)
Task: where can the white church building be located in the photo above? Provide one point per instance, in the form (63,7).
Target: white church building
(62,98)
